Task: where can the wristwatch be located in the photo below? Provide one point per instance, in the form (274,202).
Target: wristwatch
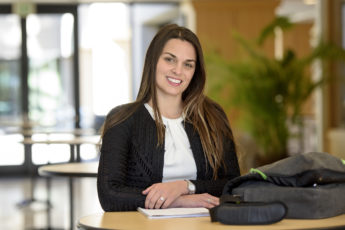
(191,187)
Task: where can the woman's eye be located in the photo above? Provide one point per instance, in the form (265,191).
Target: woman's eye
(189,65)
(168,59)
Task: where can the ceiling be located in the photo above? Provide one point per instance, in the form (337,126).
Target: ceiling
(296,10)
(85,1)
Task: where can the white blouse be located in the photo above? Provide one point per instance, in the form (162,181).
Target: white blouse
(179,163)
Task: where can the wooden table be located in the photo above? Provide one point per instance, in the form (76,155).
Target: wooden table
(79,137)
(79,169)
(70,170)
(73,142)
(135,220)
(49,131)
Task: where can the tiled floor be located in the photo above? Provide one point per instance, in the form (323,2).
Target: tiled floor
(34,216)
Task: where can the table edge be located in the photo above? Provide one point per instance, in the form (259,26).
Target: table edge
(64,174)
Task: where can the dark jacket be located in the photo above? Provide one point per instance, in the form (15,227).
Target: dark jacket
(130,161)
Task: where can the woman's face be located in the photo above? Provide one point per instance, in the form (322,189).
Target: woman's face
(175,68)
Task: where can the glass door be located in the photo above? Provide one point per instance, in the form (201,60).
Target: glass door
(39,82)
(10,90)
(53,78)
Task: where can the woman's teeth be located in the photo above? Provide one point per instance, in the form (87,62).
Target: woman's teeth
(174,80)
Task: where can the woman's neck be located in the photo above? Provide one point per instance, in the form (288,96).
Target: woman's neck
(170,108)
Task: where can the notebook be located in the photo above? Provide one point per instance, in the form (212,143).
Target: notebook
(174,212)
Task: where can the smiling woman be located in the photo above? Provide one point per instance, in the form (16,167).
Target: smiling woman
(173,146)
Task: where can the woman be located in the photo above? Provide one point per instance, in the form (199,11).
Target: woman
(173,146)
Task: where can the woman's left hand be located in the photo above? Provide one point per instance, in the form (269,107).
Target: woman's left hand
(161,195)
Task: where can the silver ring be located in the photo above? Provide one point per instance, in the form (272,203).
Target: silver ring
(162,198)
(209,200)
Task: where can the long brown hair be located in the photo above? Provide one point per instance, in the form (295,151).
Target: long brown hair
(206,116)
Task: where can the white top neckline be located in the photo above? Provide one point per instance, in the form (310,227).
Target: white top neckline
(164,119)
(179,163)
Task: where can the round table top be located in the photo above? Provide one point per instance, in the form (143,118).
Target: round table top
(80,169)
(48,131)
(136,220)
(72,141)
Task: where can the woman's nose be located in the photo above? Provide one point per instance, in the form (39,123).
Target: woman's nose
(178,68)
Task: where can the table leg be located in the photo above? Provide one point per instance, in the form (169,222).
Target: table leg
(78,158)
(32,178)
(48,184)
(49,205)
(72,158)
(70,185)
(30,169)
(71,202)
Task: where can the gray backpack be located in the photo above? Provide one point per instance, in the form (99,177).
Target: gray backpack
(310,185)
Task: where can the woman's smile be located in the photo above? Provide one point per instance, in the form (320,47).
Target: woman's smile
(174,81)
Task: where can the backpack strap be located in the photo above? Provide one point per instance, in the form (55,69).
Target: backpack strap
(248,213)
(230,198)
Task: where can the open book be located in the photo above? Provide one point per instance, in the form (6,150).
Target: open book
(174,212)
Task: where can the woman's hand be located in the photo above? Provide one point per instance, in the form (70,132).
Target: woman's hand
(161,195)
(204,200)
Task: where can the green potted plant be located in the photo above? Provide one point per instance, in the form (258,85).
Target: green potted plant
(269,93)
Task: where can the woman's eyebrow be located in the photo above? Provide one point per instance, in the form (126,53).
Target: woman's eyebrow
(188,60)
(170,54)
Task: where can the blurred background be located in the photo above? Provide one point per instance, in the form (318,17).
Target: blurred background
(276,66)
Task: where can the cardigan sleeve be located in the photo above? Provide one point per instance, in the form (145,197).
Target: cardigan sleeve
(205,182)
(231,170)
(113,193)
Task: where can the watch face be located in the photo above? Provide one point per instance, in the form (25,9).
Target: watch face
(191,187)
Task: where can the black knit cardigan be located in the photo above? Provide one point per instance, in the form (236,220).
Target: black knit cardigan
(131,161)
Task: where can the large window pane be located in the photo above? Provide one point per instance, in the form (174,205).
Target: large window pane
(50,69)
(104,60)
(12,152)
(50,80)
(10,43)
